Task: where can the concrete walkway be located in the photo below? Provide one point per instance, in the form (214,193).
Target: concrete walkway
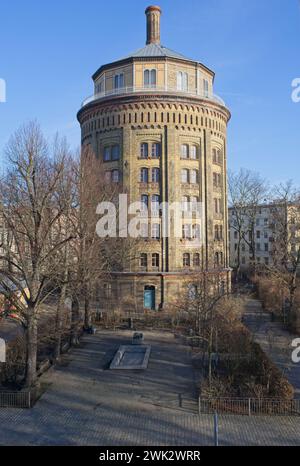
(86,404)
(274,340)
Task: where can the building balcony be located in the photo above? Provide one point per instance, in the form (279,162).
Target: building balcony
(131,90)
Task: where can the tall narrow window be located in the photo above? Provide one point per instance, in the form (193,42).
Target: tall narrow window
(150,78)
(196,260)
(155,175)
(193,152)
(106,154)
(186,260)
(185,203)
(115,178)
(119,81)
(143,260)
(144,175)
(144,202)
(186,231)
(155,231)
(155,260)
(144,150)
(193,176)
(155,152)
(115,152)
(205,88)
(184,151)
(155,199)
(184,175)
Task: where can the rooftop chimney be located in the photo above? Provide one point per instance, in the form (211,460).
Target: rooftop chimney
(153,24)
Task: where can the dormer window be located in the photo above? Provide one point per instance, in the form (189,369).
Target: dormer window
(150,78)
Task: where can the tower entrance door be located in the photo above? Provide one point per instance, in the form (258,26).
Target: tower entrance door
(149,297)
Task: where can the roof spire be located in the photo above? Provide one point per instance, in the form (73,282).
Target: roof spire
(153,14)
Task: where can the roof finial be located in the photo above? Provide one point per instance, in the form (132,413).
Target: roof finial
(153,24)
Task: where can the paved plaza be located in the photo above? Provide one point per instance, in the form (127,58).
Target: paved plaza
(87,404)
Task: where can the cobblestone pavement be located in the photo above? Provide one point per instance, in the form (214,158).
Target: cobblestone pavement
(86,404)
(274,340)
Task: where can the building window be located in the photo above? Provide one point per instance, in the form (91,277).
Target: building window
(205,88)
(155,153)
(193,176)
(217,158)
(155,231)
(155,199)
(196,260)
(150,78)
(266,247)
(182,81)
(144,202)
(107,290)
(115,177)
(217,203)
(119,81)
(185,203)
(144,175)
(144,150)
(184,151)
(155,260)
(186,259)
(258,234)
(193,152)
(115,152)
(144,260)
(196,231)
(155,175)
(186,231)
(106,154)
(184,176)
(217,259)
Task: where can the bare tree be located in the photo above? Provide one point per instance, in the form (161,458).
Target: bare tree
(247,191)
(32,206)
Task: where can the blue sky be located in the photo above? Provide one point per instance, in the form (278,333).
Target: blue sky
(50,49)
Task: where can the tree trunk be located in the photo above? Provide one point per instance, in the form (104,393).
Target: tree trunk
(87,308)
(31,360)
(59,321)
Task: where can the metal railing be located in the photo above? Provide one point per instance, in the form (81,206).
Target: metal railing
(151,89)
(15,399)
(250,406)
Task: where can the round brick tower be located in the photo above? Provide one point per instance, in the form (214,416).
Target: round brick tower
(161,133)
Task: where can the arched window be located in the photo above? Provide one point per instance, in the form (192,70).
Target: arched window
(185,203)
(193,176)
(196,260)
(115,152)
(155,175)
(216,259)
(155,200)
(182,81)
(106,154)
(186,260)
(144,202)
(155,152)
(144,175)
(184,175)
(150,78)
(184,151)
(144,150)
(214,153)
(143,260)
(196,231)
(186,231)
(193,153)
